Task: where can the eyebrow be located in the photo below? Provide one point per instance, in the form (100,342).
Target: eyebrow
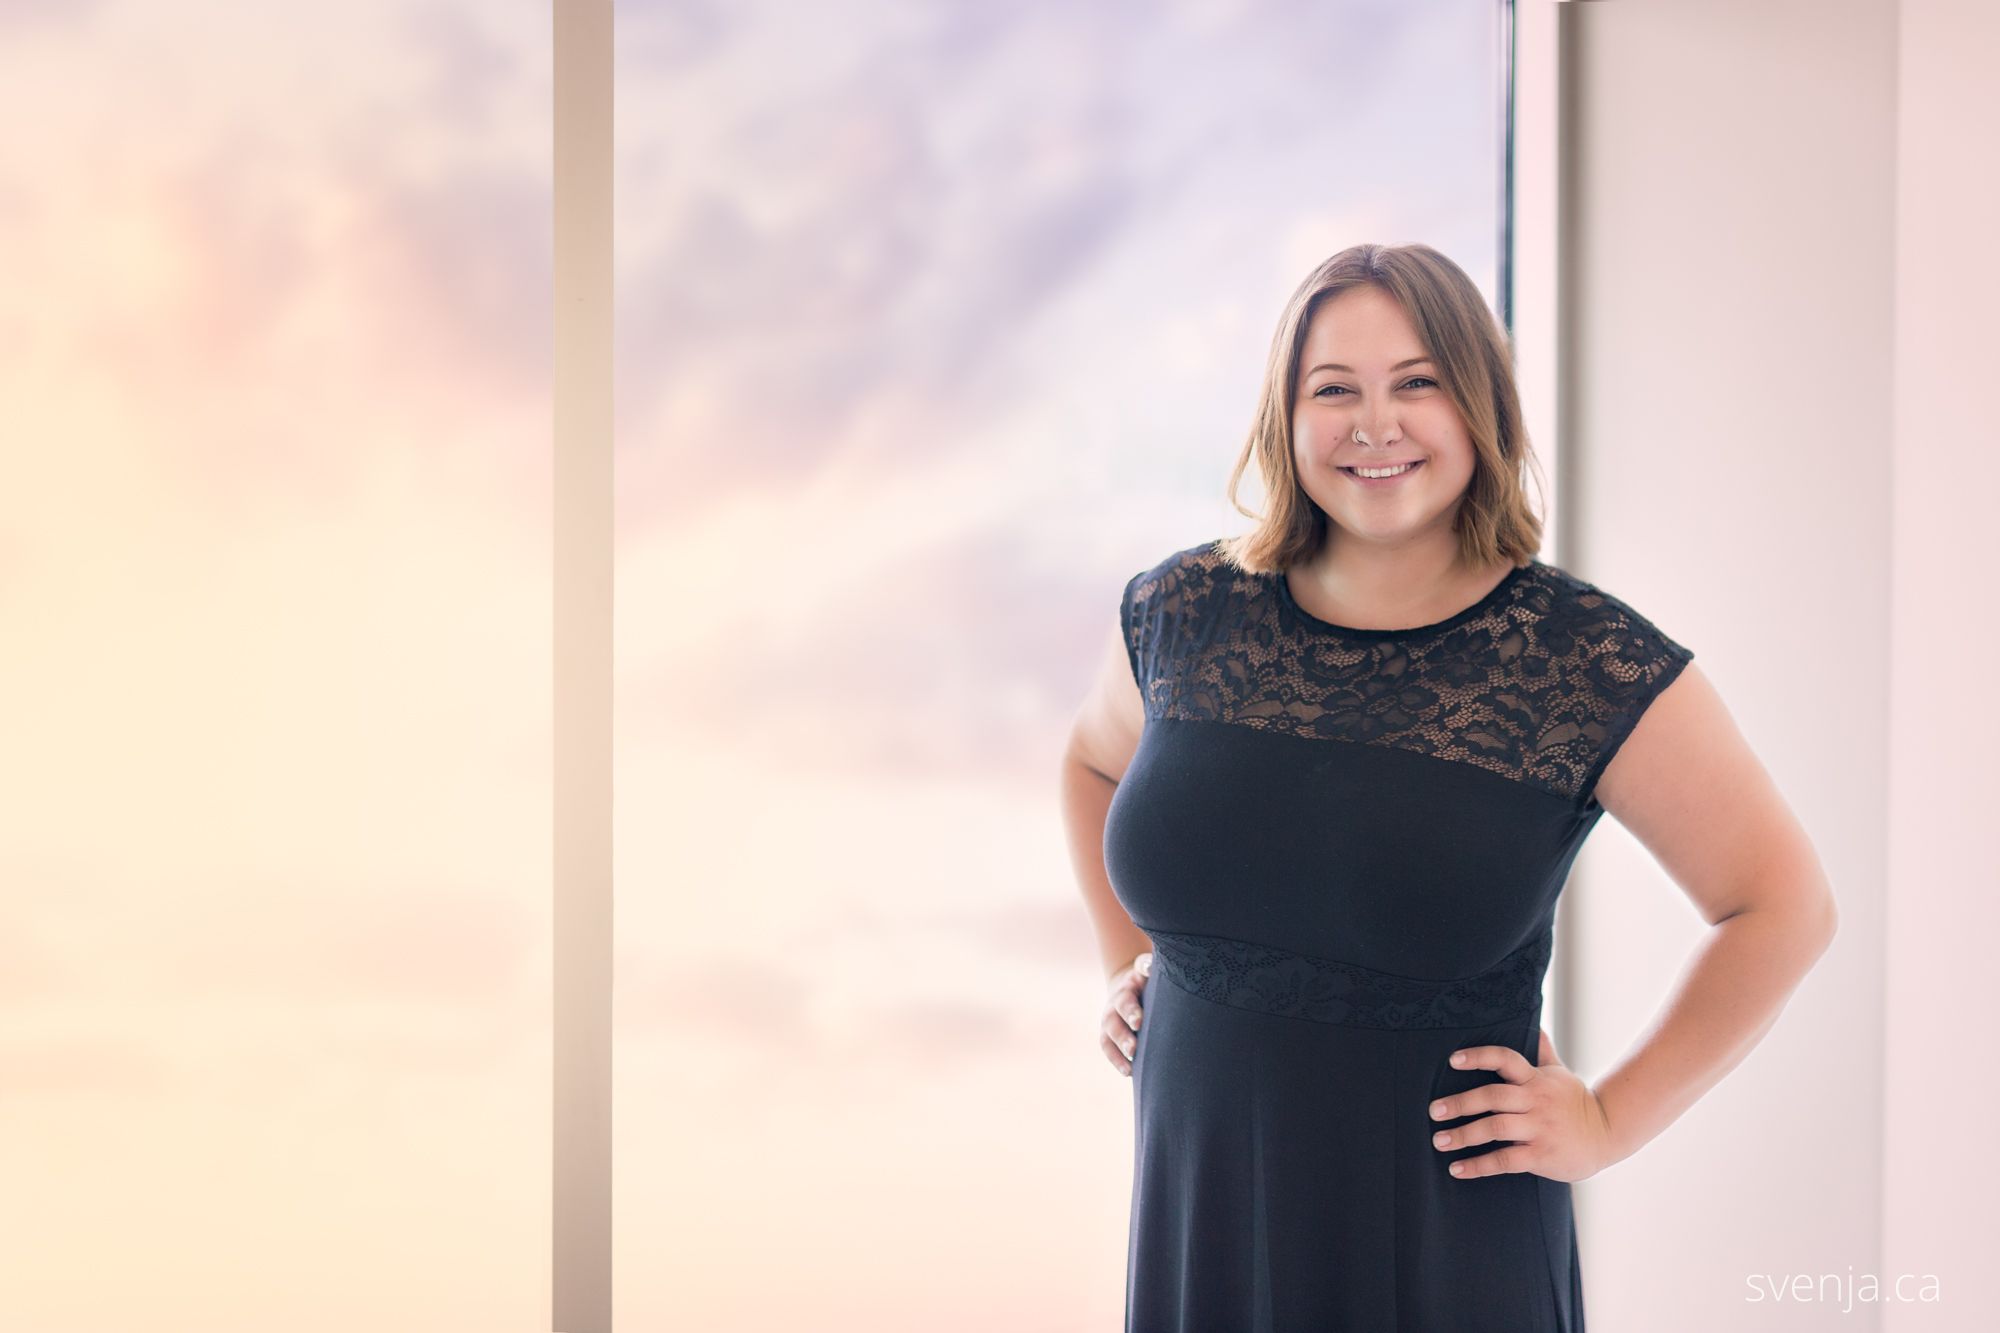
(1335,365)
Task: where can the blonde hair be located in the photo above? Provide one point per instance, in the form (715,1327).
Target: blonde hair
(1474,358)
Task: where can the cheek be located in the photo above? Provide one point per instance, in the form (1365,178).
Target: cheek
(1305,451)
(1454,460)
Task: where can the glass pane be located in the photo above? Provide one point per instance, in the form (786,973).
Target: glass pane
(935,324)
(274,576)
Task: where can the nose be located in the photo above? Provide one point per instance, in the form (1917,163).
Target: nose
(1378,428)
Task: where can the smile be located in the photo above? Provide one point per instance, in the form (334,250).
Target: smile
(1383,473)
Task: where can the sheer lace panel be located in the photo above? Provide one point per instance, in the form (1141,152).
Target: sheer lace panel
(1541,682)
(1278,981)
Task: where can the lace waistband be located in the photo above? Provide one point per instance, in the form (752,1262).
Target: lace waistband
(1278,981)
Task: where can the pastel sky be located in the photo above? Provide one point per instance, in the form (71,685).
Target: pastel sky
(935,322)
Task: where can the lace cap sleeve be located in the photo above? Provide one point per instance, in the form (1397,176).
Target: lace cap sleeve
(1132,616)
(1157,611)
(1636,663)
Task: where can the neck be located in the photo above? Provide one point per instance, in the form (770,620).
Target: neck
(1363,584)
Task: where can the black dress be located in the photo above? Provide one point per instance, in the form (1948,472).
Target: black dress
(1346,846)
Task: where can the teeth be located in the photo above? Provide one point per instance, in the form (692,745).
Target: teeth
(1382,471)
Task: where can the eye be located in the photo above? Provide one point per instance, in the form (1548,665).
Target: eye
(1414,379)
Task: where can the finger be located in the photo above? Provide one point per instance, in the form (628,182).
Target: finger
(1129,982)
(1137,973)
(1129,1009)
(1479,1100)
(1112,1053)
(1545,1054)
(1499,1162)
(1509,1063)
(1486,1129)
(1120,1036)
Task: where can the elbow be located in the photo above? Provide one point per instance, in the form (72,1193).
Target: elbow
(1826,916)
(1829,922)
(1812,904)
(1808,920)
(1817,924)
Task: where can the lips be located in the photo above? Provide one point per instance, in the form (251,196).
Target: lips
(1415,463)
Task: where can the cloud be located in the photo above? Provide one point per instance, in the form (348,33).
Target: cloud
(458,272)
(927,1034)
(93,1065)
(662,37)
(20,18)
(1052,933)
(731,998)
(470,68)
(833,246)
(969,662)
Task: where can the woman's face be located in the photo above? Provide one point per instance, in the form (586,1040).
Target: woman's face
(1364,368)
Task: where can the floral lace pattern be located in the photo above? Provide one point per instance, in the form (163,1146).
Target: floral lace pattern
(1278,981)
(1541,681)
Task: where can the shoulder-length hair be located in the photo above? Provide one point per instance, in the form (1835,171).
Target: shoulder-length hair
(1474,358)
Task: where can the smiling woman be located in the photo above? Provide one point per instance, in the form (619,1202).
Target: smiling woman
(1355,753)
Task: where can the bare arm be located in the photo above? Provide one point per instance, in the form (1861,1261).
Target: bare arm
(1101,742)
(1689,788)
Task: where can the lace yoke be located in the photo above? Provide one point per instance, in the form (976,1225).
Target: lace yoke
(1540,681)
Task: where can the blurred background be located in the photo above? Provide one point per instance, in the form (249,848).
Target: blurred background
(933,324)
(274,597)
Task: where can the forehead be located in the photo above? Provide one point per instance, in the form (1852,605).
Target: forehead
(1364,327)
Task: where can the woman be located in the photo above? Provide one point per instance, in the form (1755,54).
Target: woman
(1328,787)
